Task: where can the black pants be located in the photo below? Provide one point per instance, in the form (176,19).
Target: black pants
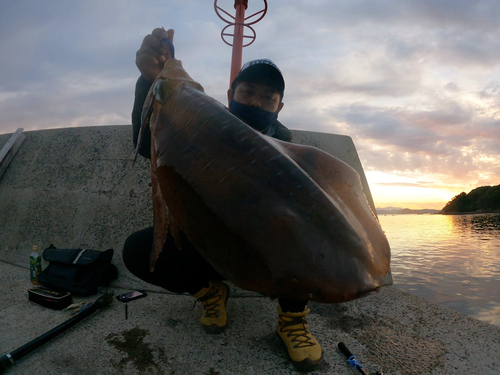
(178,271)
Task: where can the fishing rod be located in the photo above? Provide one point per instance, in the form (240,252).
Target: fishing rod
(9,359)
(353,362)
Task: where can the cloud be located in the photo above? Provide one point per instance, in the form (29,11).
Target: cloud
(420,184)
(451,86)
(448,140)
(416,84)
(427,13)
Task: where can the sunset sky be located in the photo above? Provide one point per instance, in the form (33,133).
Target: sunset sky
(415,83)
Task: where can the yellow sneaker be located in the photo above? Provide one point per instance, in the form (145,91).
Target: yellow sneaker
(214,298)
(304,350)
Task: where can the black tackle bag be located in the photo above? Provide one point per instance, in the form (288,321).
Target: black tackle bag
(78,271)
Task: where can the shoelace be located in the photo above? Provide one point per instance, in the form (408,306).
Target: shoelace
(211,310)
(300,334)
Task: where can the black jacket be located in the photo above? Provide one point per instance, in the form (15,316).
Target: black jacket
(277,130)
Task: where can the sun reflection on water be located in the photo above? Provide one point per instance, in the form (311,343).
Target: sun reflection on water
(452,260)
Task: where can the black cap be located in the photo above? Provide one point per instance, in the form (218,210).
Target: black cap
(262,70)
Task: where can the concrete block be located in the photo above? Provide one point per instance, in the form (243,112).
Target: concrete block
(76,188)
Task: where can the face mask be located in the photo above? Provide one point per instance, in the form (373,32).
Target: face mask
(257,118)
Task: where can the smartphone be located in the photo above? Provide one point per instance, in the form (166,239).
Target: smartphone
(136,294)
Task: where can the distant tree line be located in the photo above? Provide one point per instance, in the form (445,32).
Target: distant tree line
(482,199)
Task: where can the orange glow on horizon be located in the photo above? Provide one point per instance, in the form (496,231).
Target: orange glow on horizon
(397,191)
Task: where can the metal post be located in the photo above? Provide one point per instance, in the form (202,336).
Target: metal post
(236,60)
(239,23)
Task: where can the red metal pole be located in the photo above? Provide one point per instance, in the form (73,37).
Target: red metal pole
(238,34)
(236,60)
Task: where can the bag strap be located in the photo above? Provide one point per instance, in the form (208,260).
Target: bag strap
(79,255)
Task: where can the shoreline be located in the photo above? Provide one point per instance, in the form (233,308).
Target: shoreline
(471,213)
(440,213)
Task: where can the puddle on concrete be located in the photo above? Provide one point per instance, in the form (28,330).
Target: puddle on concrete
(139,353)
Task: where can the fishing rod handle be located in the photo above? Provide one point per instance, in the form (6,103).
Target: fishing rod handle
(20,352)
(5,362)
(349,355)
(344,350)
(9,359)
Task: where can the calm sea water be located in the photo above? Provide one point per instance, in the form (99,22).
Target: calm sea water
(452,260)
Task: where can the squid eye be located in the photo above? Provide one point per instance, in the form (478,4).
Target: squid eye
(160,90)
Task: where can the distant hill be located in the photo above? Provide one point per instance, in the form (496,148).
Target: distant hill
(481,199)
(404,211)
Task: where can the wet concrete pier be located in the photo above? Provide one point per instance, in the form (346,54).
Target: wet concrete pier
(76,188)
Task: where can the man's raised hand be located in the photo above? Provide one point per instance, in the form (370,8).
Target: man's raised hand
(151,57)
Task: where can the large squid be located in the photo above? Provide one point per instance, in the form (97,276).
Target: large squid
(281,219)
